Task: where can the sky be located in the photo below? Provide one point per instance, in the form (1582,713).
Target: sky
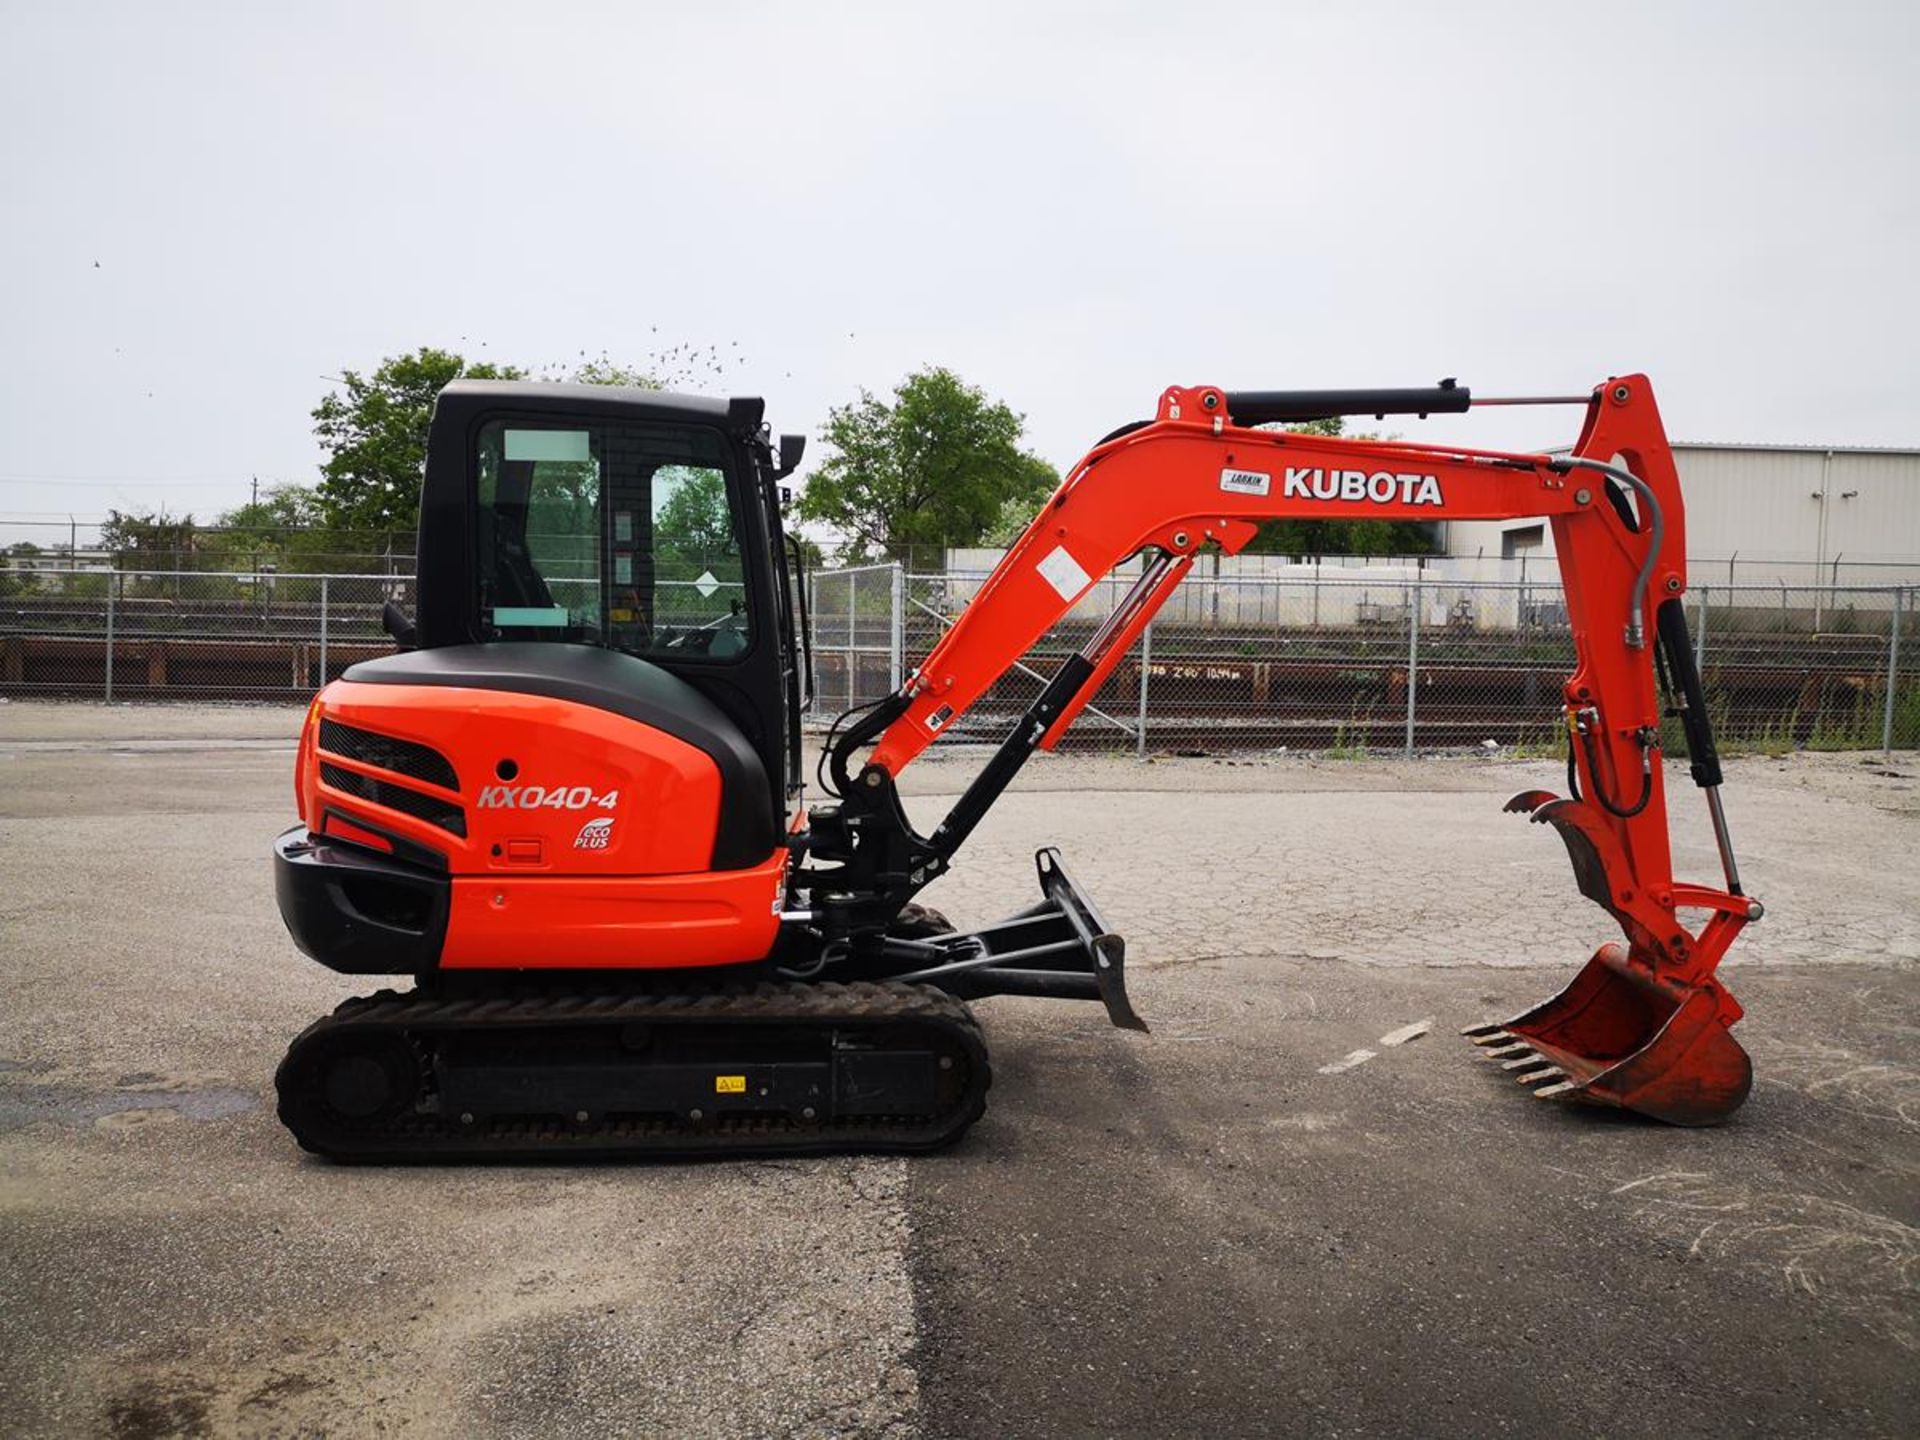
(206,210)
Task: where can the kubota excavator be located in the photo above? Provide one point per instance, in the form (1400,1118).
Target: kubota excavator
(571,805)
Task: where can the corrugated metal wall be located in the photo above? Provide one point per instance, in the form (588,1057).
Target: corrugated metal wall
(1770,515)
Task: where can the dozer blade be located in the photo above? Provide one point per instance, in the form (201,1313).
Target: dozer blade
(1622,1034)
(1060,948)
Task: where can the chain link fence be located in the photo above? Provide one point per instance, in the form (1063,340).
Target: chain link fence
(177,634)
(1387,662)
(1388,659)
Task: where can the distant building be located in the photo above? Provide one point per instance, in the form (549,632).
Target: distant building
(1762,514)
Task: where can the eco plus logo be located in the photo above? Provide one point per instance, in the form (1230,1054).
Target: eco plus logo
(595,834)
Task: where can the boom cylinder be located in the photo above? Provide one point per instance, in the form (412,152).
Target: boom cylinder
(1271,407)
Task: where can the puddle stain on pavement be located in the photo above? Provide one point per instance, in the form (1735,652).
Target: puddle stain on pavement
(24,1105)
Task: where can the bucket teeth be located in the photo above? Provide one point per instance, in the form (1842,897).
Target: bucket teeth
(1501,1052)
(1534,1077)
(1559,1087)
(1498,1037)
(1488,1028)
(1525,1062)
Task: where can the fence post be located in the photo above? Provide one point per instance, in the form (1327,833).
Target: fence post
(1700,635)
(897,629)
(853,636)
(1140,717)
(1413,662)
(1893,672)
(323,632)
(113,577)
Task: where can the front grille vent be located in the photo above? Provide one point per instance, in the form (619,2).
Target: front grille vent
(403,757)
(430,808)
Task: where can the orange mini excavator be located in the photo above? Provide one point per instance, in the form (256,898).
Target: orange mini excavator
(571,805)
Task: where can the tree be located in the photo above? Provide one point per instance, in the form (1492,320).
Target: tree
(935,465)
(602,371)
(152,540)
(283,528)
(695,519)
(1339,537)
(21,553)
(375,436)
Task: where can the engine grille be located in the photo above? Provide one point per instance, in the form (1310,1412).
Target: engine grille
(403,757)
(430,808)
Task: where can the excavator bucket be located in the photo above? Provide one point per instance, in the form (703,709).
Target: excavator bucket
(1625,1033)
(1617,1036)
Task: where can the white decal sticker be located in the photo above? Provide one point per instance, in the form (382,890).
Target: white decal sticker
(1246,482)
(1063,572)
(595,834)
(939,717)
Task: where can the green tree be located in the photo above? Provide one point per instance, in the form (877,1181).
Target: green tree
(22,580)
(374,431)
(283,528)
(938,464)
(695,518)
(602,371)
(149,540)
(1339,537)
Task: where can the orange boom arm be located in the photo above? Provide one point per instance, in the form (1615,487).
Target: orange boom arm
(1196,475)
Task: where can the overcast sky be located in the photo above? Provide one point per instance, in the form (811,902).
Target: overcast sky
(209,208)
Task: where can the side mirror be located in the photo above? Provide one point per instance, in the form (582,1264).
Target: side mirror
(792,447)
(395,622)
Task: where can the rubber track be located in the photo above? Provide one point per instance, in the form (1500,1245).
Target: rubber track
(416,1137)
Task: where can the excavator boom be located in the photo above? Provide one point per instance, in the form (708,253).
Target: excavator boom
(1644,1026)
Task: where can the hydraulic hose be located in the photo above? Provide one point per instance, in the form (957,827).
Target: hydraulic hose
(1607,802)
(1656,527)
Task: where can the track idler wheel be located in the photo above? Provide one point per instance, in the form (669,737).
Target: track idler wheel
(352,1081)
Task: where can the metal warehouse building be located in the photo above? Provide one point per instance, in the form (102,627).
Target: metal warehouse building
(1767,514)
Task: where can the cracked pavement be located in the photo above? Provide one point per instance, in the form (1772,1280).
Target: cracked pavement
(1211,1230)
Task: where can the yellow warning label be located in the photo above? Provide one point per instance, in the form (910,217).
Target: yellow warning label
(729,1084)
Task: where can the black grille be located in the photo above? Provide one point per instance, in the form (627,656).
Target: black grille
(430,808)
(403,757)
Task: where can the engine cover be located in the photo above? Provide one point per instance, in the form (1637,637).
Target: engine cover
(566,835)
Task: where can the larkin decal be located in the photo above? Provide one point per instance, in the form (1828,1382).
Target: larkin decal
(1382,487)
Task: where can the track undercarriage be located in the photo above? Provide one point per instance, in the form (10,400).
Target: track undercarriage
(478,1068)
(767,1069)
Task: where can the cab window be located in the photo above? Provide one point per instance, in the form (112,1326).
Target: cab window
(617,535)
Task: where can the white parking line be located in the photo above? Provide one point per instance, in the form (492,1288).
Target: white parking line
(1392,1037)
(1347,1062)
(1407,1032)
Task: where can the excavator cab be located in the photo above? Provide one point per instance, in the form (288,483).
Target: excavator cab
(638,522)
